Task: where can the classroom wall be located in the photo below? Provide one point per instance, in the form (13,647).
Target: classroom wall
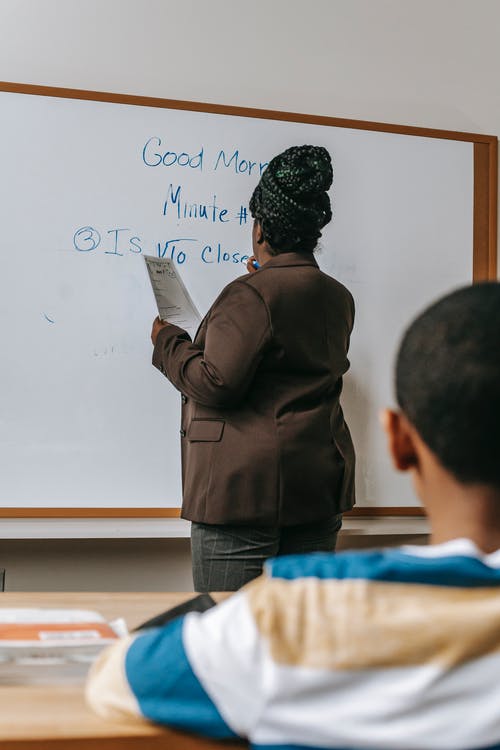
(432,63)
(125,564)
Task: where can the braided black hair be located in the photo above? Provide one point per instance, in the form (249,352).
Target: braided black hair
(290,202)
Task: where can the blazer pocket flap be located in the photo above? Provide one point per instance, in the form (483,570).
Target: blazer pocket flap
(206,430)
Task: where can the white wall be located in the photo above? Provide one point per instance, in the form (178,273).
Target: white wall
(432,63)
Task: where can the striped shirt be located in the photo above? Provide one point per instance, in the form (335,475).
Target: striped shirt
(391,650)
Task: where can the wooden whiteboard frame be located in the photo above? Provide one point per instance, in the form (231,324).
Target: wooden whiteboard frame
(484,238)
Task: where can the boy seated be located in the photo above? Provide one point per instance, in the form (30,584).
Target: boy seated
(386,649)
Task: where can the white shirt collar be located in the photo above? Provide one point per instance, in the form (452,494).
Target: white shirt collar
(463,546)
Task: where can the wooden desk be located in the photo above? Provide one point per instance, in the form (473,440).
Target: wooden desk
(55,717)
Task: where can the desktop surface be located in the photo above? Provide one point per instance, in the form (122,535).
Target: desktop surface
(55,716)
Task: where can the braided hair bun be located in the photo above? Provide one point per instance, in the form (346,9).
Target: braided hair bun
(291,201)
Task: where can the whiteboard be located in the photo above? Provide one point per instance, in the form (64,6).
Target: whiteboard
(88,187)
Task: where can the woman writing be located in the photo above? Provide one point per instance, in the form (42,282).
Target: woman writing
(267,459)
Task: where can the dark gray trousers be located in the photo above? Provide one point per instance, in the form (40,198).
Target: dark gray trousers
(225,558)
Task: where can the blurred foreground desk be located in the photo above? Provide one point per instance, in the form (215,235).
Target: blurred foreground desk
(55,717)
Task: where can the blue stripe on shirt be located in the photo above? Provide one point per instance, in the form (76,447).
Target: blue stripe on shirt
(389,565)
(165,686)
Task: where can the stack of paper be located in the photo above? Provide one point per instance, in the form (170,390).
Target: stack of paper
(47,645)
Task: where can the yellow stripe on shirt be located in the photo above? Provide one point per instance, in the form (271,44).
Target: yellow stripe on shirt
(358,624)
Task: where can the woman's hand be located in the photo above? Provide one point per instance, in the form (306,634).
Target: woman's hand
(252,264)
(158,324)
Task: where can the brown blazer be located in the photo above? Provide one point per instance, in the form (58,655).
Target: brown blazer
(263,436)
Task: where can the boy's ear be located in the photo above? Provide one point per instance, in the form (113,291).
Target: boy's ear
(399,440)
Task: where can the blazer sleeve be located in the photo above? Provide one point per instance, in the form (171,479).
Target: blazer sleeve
(219,373)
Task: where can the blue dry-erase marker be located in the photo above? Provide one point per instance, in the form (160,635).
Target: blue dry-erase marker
(255,264)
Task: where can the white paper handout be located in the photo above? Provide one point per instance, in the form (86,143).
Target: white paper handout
(40,645)
(172,298)
(33,632)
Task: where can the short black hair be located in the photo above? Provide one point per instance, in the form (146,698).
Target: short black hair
(291,200)
(448,381)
